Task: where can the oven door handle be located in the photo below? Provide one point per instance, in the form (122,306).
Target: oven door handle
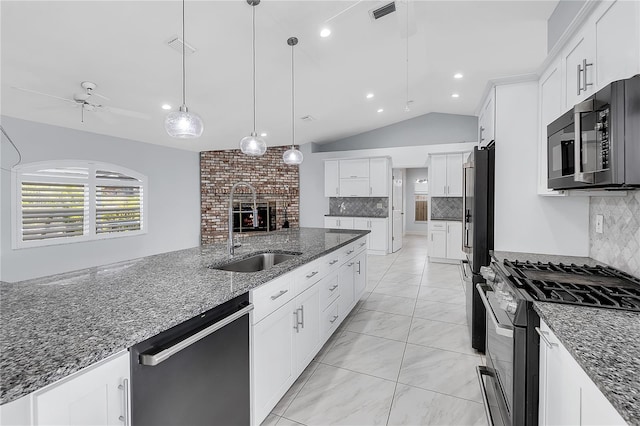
(578,145)
(502,330)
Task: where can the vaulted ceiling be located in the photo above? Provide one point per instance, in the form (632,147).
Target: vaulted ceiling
(52,46)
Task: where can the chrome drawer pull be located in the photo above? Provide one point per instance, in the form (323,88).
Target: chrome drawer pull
(350,264)
(282,292)
(543,336)
(124,387)
(350,251)
(334,287)
(333,262)
(362,244)
(335,317)
(312,274)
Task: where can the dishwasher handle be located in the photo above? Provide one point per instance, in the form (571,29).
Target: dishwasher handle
(155,359)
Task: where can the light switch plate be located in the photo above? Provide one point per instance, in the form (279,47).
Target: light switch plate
(599,224)
(379,205)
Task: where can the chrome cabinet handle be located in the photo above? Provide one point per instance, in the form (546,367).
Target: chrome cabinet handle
(333,262)
(370,190)
(337,191)
(578,72)
(578,144)
(481,131)
(335,317)
(311,275)
(358,267)
(543,336)
(296,323)
(338,222)
(302,313)
(333,288)
(152,360)
(124,387)
(353,176)
(584,70)
(500,329)
(281,293)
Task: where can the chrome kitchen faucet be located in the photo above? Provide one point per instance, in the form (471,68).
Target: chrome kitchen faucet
(230,243)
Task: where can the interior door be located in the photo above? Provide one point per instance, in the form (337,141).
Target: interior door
(397,215)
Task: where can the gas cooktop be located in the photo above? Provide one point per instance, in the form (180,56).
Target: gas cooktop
(596,286)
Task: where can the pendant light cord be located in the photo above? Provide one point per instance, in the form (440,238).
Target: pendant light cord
(293,100)
(407,54)
(184,84)
(254,66)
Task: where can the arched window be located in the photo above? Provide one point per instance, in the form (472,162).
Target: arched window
(58,202)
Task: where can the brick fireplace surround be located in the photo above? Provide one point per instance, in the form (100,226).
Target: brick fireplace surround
(273,180)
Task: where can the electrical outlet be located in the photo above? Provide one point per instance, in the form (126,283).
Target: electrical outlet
(599,224)
(379,205)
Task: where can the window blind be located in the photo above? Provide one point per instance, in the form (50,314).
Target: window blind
(118,209)
(51,210)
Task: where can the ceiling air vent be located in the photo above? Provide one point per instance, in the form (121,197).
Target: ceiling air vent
(307,118)
(175,43)
(383,11)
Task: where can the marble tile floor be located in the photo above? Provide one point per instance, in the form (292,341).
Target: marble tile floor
(402,357)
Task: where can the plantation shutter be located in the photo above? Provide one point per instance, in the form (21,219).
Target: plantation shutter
(118,209)
(51,210)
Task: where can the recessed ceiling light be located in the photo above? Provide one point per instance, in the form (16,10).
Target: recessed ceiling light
(369,95)
(455,95)
(380,110)
(457,75)
(263,135)
(166,106)
(325,32)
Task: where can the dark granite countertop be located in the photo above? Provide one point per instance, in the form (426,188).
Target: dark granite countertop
(604,342)
(57,325)
(355,215)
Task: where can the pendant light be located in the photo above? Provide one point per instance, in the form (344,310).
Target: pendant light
(253,145)
(292,156)
(182,123)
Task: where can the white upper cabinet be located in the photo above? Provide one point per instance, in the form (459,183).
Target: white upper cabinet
(578,60)
(617,36)
(357,187)
(486,120)
(445,175)
(379,179)
(357,168)
(331,179)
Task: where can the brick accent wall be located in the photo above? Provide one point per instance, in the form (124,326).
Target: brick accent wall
(272,178)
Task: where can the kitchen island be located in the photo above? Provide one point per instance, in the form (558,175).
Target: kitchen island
(55,326)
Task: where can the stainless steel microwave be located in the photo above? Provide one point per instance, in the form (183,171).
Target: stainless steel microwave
(596,145)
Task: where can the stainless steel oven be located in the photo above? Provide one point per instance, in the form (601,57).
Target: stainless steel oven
(597,143)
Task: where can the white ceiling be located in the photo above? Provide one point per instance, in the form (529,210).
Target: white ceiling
(51,46)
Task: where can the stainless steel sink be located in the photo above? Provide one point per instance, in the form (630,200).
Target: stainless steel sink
(255,263)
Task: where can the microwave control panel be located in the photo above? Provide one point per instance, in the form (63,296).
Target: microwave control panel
(602,128)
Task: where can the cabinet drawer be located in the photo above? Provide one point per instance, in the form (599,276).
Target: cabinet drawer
(331,262)
(329,290)
(360,245)
(308,275)
(438,226)
(347,252)
(270,296)
(330,319)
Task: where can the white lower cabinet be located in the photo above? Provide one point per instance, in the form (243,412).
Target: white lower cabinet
(454,241)
(437,244)
(567,395)
(378,241)
(338,222)
(289,336)
(97,395)
(445,240)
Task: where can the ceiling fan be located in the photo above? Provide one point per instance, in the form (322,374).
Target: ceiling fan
(85,100)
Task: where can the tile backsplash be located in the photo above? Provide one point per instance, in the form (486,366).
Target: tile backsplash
(449,208)
(619,245)
(359,206)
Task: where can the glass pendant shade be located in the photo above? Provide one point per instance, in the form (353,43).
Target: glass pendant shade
(183,124)
(292,157)
(253,145)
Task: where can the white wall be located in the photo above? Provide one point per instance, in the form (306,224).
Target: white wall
(174,198)
(314,205)
(525,221)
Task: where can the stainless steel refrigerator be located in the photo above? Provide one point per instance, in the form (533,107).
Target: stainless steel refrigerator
(477,233)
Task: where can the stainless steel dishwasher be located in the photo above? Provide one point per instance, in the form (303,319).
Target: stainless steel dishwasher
(196,373)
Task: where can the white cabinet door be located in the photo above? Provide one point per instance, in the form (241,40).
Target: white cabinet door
(358,187)
(94,396)
(486,121)
(578,53)
(331,179)
(379,179)
(596,408)
(346,283)
(617,39)
(345,223)
(550,92)
(356,168)
(454,241)
(360,223)
(360,274)
(273,363)
(438,176)
(307,321)
(331,222)
(379,237)
(454,175)
(438,244)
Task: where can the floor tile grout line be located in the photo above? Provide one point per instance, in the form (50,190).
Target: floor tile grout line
(284,411)
(438,392)
(357,372)
(379,337)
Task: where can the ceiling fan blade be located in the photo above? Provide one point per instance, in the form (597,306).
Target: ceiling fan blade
(43,94)
(125,112)
(94,93)
(106,118)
